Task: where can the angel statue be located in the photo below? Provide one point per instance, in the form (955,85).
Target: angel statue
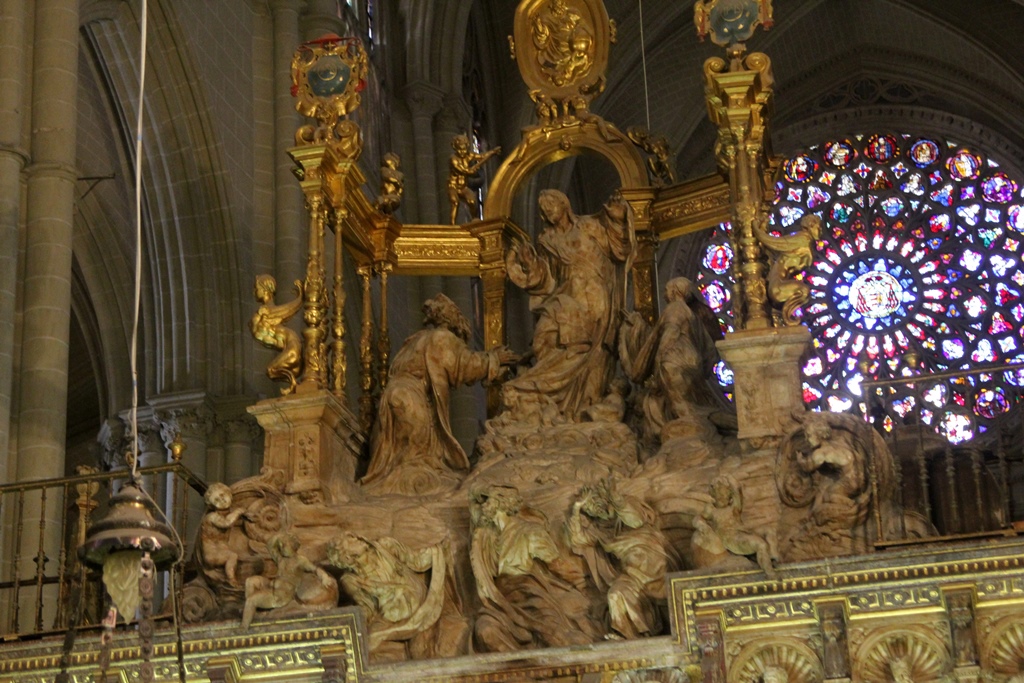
(392,183)
(268,327)
(827,466)
(462,166)
(794,253)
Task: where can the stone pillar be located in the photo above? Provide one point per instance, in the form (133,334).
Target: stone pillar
(152,452)
(766,364)
(13,157)
(239,435)
(321,18)
(289,264)
(190,418)
(424,101)
(314,439)
(46,311)
(50,209)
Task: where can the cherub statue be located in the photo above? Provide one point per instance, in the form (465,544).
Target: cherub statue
(392,183)
(660,162)
(268,327)
(546,108)
(297,582)
(579,106)
(420,617)
(625,551)
(719,528)
(794,253)
(827,466)
(215,528)
(464,164)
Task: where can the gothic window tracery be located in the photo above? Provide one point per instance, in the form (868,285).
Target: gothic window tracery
(919,270)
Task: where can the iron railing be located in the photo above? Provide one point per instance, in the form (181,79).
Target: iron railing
(959,467)
(45,521)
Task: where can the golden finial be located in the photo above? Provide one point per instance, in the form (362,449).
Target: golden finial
(177,447)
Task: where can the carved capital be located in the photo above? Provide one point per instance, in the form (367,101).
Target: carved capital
(241,430)
(194,422)
(423,99)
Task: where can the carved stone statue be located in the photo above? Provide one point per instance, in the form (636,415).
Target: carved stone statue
(626,554)
(827,471)
(564,42)
(297,583)
(464,164)
(679,355)
(412,450)
(794,253)
(575,277)
(719,529)
(531,591)
(215,528)
(409,615)
(392,184)
(268,327)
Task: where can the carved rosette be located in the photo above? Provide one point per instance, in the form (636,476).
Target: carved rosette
(888,655)
(1004,651)
(796,659)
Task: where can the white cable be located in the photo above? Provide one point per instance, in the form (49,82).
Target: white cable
(138,247)
(643,59)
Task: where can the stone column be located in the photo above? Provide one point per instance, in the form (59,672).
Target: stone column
(191,419)
(50,209)
(321,18)
(766,364)
(289,251)
(152,452)
(239,435)
(13,157)
(46,312)
(424,101)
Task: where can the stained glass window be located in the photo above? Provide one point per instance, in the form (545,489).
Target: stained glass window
(919,270)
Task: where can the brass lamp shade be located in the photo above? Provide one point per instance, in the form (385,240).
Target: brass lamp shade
(130,524)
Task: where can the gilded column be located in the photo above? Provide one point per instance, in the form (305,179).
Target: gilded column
(366,353)
(13,157)
(739,99)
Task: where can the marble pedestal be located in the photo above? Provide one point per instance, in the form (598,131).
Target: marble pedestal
(315,440)
(766,364)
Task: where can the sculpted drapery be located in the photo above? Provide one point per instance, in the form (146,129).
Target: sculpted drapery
(576,280)
(413,450)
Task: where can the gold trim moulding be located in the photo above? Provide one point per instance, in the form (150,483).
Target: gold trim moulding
(690,207)
(436,250)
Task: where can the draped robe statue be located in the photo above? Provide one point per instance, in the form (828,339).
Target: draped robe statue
(576,280)
(413,451)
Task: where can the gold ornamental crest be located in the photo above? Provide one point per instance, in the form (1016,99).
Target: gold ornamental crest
(562,45)
(327,76)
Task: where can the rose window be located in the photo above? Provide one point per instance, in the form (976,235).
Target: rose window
(918,271)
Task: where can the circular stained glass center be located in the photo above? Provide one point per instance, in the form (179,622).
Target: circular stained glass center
(876,294)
